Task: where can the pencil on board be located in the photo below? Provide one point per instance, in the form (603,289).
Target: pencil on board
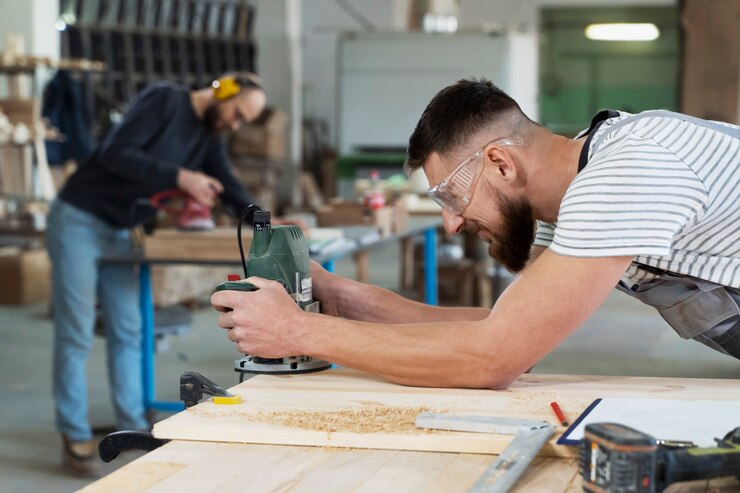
(559,413)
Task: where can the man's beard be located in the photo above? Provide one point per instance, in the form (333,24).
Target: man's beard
(510,247)
(210,119)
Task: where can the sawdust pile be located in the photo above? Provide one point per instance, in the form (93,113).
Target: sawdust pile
(376,419)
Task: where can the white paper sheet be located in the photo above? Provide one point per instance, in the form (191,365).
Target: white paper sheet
(696,421)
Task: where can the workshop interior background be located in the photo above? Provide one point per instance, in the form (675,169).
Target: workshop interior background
(346,81)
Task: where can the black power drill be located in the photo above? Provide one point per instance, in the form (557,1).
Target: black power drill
(617,459)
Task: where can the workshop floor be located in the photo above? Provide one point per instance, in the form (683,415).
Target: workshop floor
(623,338)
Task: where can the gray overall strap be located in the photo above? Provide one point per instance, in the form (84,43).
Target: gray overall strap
(733,132)
(696,309)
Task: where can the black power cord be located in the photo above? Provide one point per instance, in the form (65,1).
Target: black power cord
(243,216)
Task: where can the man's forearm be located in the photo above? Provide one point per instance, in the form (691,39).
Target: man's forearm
(449,354)
(368,303)
(532,316)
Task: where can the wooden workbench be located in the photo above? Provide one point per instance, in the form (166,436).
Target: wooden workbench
(329,465)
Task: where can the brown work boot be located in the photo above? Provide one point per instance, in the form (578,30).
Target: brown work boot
(81,458)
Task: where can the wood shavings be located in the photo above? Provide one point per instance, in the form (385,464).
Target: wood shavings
(214,412)
(372,419)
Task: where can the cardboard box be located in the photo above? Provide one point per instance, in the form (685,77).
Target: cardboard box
(389,219)
(25,275)
(262,137)
(26,111)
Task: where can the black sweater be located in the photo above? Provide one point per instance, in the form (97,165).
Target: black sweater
(159,134)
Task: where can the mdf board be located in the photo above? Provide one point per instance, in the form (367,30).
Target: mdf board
(219,244)
(327,396)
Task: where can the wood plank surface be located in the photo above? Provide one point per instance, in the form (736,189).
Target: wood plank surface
(210,467)
(230,467)
(327,393)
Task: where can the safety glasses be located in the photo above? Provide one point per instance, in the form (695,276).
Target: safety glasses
(455,192)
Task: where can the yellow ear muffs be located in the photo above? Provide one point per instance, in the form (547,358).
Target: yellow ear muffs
(225,88)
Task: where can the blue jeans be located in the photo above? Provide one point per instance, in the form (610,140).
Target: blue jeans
(76,241)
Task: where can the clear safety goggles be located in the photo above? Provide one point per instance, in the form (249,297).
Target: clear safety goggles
(455,192)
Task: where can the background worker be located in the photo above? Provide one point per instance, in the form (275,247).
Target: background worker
(170,138)
(649,201)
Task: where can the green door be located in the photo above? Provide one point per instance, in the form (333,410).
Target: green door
(580,76)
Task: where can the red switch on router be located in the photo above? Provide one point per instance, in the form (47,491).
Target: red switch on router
(233,277)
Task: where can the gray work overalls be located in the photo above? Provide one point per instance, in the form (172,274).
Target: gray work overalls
(696,309)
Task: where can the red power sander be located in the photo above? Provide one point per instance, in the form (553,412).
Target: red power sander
(192,216)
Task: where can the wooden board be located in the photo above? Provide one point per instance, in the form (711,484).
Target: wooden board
(227,467)
(329,391)
(218,244)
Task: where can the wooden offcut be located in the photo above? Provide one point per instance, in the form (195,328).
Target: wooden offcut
(220,244)
(389,219)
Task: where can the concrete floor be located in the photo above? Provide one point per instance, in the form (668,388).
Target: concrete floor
(622,338)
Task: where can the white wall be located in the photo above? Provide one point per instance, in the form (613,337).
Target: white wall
(34,20)
(323,20)
(387,79)
(15,17)
(279,64)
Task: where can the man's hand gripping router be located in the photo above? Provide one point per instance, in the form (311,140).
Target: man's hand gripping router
(265,322)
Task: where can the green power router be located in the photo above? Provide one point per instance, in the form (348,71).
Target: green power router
(279,254)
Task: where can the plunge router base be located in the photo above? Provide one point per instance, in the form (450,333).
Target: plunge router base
(278,366)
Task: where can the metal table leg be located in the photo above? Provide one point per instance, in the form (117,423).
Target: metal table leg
(430,266)
(329,265)
(146,305)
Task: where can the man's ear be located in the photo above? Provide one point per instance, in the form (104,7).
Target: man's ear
(502,164)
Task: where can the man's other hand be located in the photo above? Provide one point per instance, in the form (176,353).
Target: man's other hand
(200,186)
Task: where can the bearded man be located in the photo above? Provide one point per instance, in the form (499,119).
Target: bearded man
(648,203)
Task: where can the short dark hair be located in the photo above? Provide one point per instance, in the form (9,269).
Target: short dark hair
(248,80)
(453,115)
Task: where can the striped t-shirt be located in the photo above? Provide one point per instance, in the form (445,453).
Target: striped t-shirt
(660,187)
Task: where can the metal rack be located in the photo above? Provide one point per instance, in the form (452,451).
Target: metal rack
(185,41)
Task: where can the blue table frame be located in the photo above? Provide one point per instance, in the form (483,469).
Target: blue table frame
(146,300)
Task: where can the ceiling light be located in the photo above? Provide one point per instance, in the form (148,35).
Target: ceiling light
(622,32)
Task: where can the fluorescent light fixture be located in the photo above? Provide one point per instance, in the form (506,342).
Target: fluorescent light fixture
(622,32)
(439,23)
